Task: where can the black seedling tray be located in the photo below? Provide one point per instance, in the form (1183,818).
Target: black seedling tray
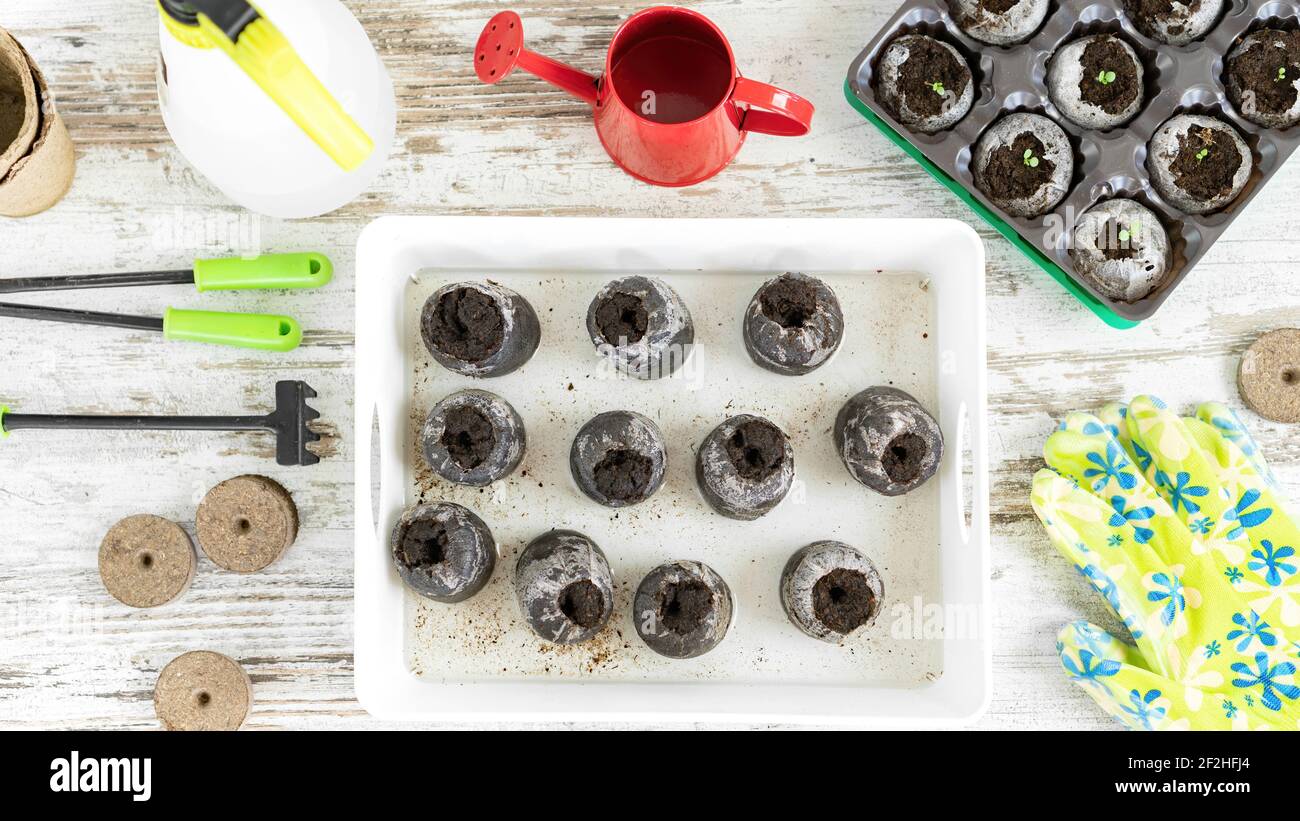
(1179,80)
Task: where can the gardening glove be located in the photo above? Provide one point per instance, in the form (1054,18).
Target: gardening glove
(1180,526)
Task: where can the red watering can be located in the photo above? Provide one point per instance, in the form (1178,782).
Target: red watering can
(671,107)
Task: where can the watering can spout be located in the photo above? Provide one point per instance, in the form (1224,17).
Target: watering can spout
(501,50)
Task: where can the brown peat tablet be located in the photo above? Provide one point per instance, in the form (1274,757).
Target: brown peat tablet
(202,691)
(146,561)
(246,523)
(1269,378)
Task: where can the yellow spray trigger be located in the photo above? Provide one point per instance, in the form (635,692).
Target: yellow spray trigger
(267,57)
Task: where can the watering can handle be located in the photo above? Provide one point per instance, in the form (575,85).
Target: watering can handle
(771,110)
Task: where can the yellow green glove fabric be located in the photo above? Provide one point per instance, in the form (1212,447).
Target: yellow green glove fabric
(1179,524)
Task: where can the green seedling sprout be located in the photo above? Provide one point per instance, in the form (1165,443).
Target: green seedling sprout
(1202,154)
(1106,77)
(937,88)
(1281,74)
(1127,234)
(1030,159)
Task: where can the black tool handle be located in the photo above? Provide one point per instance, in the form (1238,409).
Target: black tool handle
(81,282)
(77,317)
(30,421)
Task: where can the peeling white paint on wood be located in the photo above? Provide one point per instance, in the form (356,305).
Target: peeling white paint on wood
(72,657)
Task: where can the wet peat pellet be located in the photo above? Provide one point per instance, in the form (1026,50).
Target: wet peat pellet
(202,690)
(473,438)
(1263,74)
(745,467)
(246,523)
(479,329)
(618,459)
(1000,22)
(1024,163)
(146,561)
(925,83)
(830,591)
(1199,164)
(682,609)
(564,587)
(793,325)
(443,552)
(641,326)
(888,441)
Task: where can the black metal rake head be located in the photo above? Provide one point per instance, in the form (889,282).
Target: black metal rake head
(292,424)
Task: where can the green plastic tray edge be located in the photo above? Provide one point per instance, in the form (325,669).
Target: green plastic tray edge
(1036,256)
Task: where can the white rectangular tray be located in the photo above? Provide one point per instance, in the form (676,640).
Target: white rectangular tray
(913,295)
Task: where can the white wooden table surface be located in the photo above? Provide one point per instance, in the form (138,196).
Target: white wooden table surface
(72,657)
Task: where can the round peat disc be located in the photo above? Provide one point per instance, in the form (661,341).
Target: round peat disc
(246,523)
(202,691)
(1269,378)
(146,561)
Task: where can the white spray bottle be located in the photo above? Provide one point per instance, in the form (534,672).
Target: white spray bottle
(283,105)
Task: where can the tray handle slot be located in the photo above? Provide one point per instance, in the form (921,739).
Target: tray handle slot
(965,478)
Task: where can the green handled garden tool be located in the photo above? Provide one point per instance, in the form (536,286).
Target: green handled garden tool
(265,332)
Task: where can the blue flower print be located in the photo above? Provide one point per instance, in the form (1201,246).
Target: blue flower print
(1201,525)
(1229,709)
(1266,678)
(1111,466)
(1244,516)
(1272,559)
(1092,638)
(1234,574)
(1234,431)
(1171,593)
(1213,649)
(1249,699)
(1143,457)
(1090,670)
(1115,541)
(1250,627)
(1122,517)
(1143,712)
(1181,491)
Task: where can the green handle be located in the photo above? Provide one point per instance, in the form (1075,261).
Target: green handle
(258,332)
(4,434)
(264,273)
